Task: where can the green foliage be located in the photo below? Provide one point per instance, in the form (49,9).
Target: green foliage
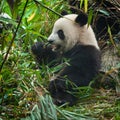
(48,111)
(85,2)
(19,76)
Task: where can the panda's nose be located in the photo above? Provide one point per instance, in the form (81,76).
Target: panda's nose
(50,41)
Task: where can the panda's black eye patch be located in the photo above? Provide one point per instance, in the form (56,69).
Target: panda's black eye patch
(61,34)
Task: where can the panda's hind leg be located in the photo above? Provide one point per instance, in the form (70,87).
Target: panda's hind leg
(61,93)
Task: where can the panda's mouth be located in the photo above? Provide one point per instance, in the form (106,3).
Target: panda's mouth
(54,46)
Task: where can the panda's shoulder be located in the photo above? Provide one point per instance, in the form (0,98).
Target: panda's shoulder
(84,56)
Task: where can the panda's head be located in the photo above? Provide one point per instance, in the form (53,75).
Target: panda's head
(70,30)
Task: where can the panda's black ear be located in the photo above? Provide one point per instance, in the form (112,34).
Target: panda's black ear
(64,13)
(81,19)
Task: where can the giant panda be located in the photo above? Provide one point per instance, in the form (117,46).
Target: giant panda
(73,39)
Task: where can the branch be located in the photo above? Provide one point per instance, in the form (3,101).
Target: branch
(47,8)
(9,48)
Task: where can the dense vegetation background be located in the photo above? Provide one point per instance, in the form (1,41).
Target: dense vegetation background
(22,84)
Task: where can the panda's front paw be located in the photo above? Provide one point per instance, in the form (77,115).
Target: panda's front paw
(39,52)
(37,48)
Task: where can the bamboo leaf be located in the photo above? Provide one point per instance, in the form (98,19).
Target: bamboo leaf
(111,38)
(86,5)
(81,3)
(90,16)
(7,20)
(104,12)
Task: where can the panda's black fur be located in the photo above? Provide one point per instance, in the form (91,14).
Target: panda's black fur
(83,65)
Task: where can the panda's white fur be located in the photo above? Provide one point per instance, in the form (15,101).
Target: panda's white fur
(74,33)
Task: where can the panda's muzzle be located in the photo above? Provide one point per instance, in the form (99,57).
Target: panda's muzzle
(50,41)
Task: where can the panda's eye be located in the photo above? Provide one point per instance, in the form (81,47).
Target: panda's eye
(61,34)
